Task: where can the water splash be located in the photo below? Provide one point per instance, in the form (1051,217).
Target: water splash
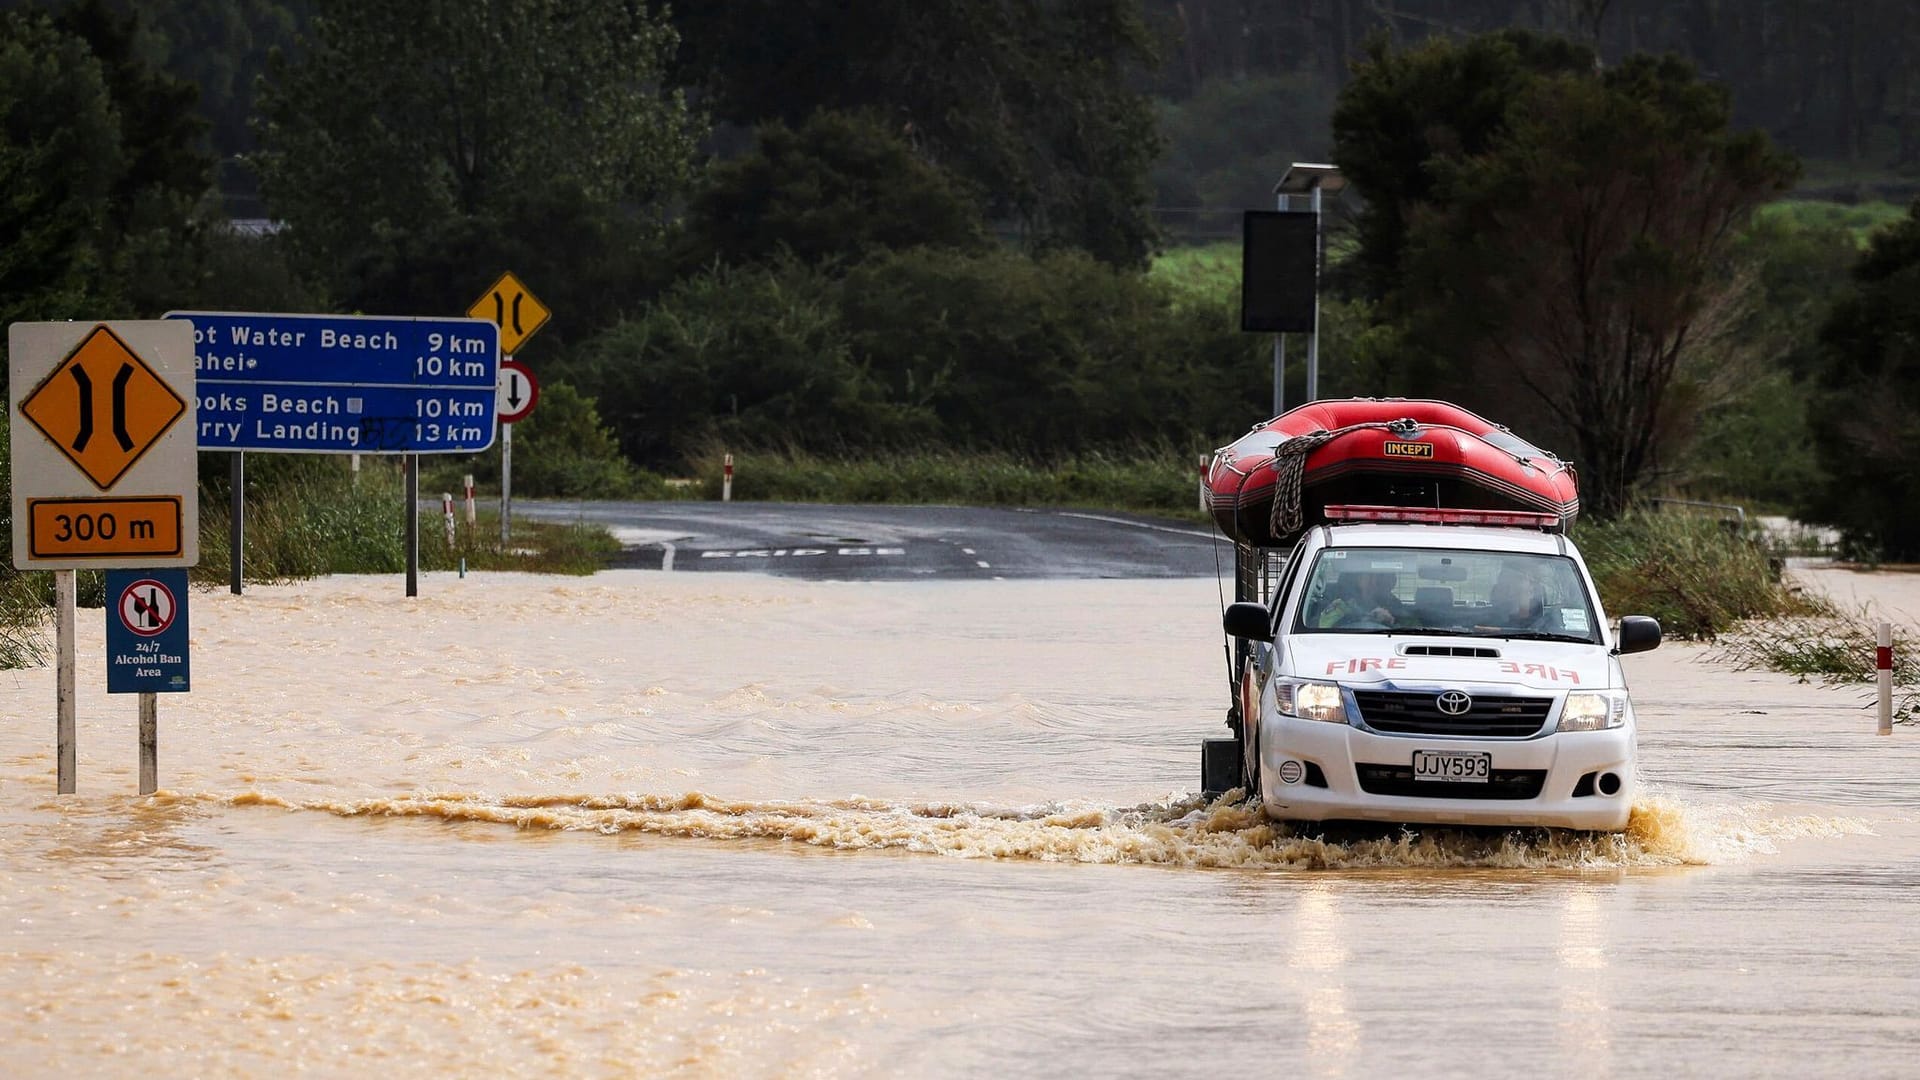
(1180,832)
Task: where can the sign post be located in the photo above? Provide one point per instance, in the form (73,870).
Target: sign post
(103,467)
(519,392)
(519,315)
(147,650)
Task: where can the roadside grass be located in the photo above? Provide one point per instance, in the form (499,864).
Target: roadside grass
(1861,219)
(1150,480)
(318,519)
(1699,578)
(1207,272)
(1835,647)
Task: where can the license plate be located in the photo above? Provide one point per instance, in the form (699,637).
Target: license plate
(1452,766)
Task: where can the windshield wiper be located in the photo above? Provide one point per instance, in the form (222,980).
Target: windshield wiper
(1541,635)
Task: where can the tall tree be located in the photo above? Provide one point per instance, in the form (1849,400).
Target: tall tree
(399,123)
(838,187)
(1407,109)
(1579,261)
(1027,101)
(102,168)
(1866,414)
(60,162)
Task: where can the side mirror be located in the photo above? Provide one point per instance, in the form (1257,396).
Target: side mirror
(1255,623)
(1638,633)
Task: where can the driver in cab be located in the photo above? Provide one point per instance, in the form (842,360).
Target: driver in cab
(1362,597)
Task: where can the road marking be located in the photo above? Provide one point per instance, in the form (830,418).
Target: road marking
(983,564)
(1138,524)
(966,551)
(786,553)
(666,561)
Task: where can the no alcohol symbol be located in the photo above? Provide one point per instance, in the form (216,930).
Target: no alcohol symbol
(147,607)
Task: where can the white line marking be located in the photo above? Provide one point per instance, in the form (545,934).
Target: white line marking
(1138,524)
(666,561)
(983,564)
(966,551)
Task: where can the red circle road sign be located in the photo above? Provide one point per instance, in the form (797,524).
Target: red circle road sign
(147,607)
(518,391)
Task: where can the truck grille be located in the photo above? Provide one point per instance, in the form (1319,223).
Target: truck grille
(1401,712)
(1398,780)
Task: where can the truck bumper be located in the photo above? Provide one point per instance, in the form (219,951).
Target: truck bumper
(1585,778)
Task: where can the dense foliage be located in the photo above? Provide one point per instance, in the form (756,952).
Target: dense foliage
(1026,102)
(920,348)
(1866,415)
(848,228)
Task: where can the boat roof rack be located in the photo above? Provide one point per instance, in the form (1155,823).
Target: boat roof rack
(1441,515)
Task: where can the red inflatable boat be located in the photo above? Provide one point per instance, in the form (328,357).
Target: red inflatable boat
(1378,451)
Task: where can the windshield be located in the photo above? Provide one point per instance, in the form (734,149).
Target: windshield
(1424,590)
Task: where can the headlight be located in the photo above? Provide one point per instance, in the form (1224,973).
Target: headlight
(1312,701)
(1594,712)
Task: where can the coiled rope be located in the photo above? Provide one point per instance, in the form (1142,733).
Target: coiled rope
(1290,466)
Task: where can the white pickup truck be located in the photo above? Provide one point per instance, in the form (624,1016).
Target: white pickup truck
(1433,666)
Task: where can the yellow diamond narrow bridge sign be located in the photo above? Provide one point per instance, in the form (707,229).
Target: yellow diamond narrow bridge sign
(103,445)
(508,305)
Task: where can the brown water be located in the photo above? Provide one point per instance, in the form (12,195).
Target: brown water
(653,824)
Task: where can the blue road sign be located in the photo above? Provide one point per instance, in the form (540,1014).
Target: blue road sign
(147,632)
(344,384)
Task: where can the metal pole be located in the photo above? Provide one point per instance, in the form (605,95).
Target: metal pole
(149,743)
(1313,340)
(1279,374)
(237,522)
(64,752)
(413,523)
(1279,346)
(506,483)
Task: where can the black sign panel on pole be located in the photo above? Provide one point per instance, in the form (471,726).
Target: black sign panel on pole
(1278,257)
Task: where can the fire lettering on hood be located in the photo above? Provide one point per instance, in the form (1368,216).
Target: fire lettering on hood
(1550,674)
(1366,663)
(1356,665)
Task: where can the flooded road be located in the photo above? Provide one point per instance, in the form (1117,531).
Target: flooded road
(720,825)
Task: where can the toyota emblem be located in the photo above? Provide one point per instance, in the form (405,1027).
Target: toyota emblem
(1454,702)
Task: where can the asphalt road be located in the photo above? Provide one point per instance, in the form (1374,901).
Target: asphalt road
(896,543)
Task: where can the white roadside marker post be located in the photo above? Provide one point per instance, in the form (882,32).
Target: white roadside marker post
(470,511)
(726,479)
(1883,662)
(1203,483)
(446,505)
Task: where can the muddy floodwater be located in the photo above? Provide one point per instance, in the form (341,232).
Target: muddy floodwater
(662,824)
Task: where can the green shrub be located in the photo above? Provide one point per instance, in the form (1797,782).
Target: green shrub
(1693,573)
(563,450)
(1038,357)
